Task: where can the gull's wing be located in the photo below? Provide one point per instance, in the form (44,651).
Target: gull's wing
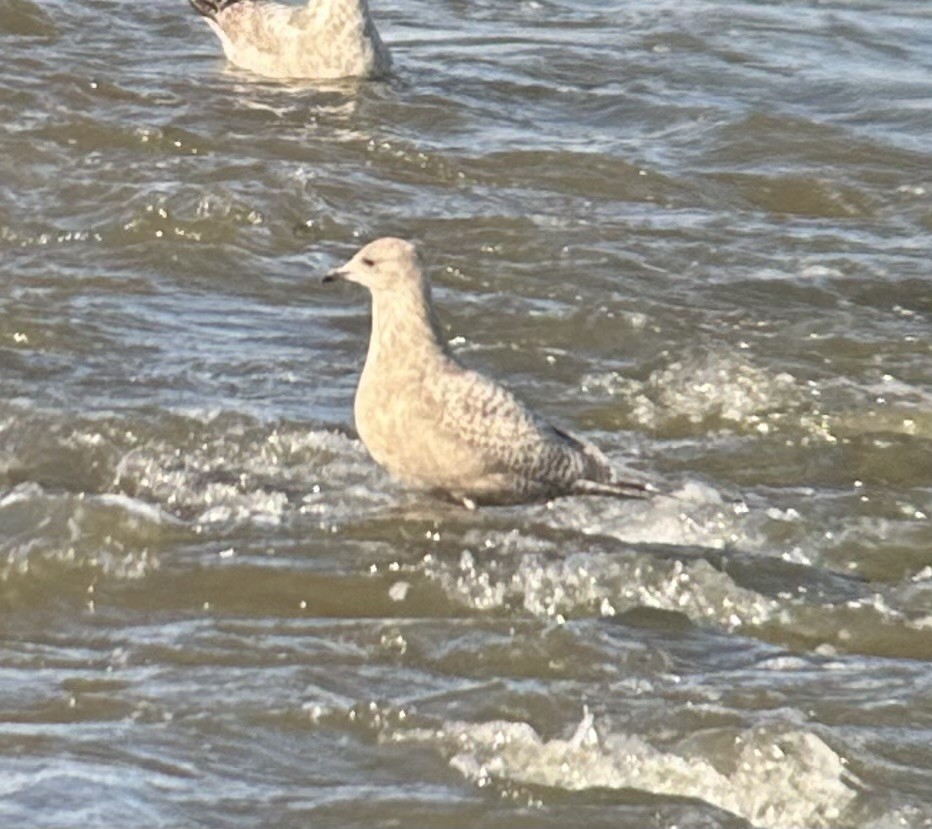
(508,435)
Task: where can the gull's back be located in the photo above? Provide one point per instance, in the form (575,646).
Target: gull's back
(327,39)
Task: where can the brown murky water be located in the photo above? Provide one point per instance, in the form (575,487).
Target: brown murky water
(697,233)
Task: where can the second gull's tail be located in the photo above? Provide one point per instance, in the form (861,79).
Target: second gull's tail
(211,8)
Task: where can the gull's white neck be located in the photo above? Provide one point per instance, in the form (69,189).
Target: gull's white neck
(404,327)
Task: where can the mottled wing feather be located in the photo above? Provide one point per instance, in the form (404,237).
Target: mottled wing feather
(508,435)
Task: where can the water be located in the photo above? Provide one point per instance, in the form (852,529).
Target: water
(696,233)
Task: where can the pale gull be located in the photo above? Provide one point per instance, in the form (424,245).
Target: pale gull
(435,424)
(327,39)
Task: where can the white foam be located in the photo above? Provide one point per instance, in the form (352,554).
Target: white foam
(782,777)
(724,387)
(241,475)
(135,508)
(599,583)
(695,515)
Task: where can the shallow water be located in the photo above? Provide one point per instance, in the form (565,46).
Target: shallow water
(695,233)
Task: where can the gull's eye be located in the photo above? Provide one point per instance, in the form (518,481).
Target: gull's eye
(368,262)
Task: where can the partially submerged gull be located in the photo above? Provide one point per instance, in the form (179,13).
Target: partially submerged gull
(326,39)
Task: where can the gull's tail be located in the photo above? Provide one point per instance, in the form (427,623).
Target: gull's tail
(616,489)
(211,8)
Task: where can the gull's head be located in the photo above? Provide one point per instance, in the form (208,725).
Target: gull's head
(387,264)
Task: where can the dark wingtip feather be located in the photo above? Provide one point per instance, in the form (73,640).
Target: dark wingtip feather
(211,8)
(615,489)
(204,7)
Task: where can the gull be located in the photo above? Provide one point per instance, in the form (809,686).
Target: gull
(326,39)
(435,424)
